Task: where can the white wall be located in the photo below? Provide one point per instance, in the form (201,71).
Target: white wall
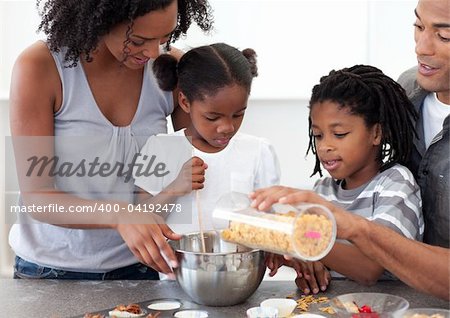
(18,24)
(297,42)
(5,251)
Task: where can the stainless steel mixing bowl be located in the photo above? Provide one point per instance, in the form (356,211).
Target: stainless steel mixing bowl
(227,274)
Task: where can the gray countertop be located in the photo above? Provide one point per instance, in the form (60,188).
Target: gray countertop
(51,298)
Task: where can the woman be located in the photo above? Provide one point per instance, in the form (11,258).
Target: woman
(90,85)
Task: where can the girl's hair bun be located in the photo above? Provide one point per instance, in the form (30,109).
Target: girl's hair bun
(250,55)
(165,70)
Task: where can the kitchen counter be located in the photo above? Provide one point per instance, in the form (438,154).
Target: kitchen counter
(52,298)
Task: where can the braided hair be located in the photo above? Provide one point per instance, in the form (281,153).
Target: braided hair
(378,99)
(202,71)
(78,25)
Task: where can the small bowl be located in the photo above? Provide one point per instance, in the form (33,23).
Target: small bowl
(262,312)
(382,305)
(164,304)
(426,313)
(191,313)
(285,306)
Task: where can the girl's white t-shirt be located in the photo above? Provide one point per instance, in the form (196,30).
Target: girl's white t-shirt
(246,164)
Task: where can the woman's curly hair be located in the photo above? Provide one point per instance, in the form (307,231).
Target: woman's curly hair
(77,25)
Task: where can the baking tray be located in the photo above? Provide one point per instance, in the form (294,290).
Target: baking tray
(184,305)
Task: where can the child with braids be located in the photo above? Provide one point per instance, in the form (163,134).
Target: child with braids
(361,132)
(92,80)
(214,83)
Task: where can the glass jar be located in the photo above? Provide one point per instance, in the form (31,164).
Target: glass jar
(306,232)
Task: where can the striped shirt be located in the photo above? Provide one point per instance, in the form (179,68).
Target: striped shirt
(391,198)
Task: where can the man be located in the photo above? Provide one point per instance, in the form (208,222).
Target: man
(428,87)
(425,267)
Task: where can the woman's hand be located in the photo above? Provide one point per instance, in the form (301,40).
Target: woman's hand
(148,243)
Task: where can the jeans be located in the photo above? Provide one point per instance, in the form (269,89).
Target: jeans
(138,271)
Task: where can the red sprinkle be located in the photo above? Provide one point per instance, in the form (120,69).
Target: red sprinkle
(365,312)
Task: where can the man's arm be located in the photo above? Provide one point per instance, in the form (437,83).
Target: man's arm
(421,266)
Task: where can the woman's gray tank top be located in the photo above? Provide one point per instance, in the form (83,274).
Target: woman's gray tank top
(78,120)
